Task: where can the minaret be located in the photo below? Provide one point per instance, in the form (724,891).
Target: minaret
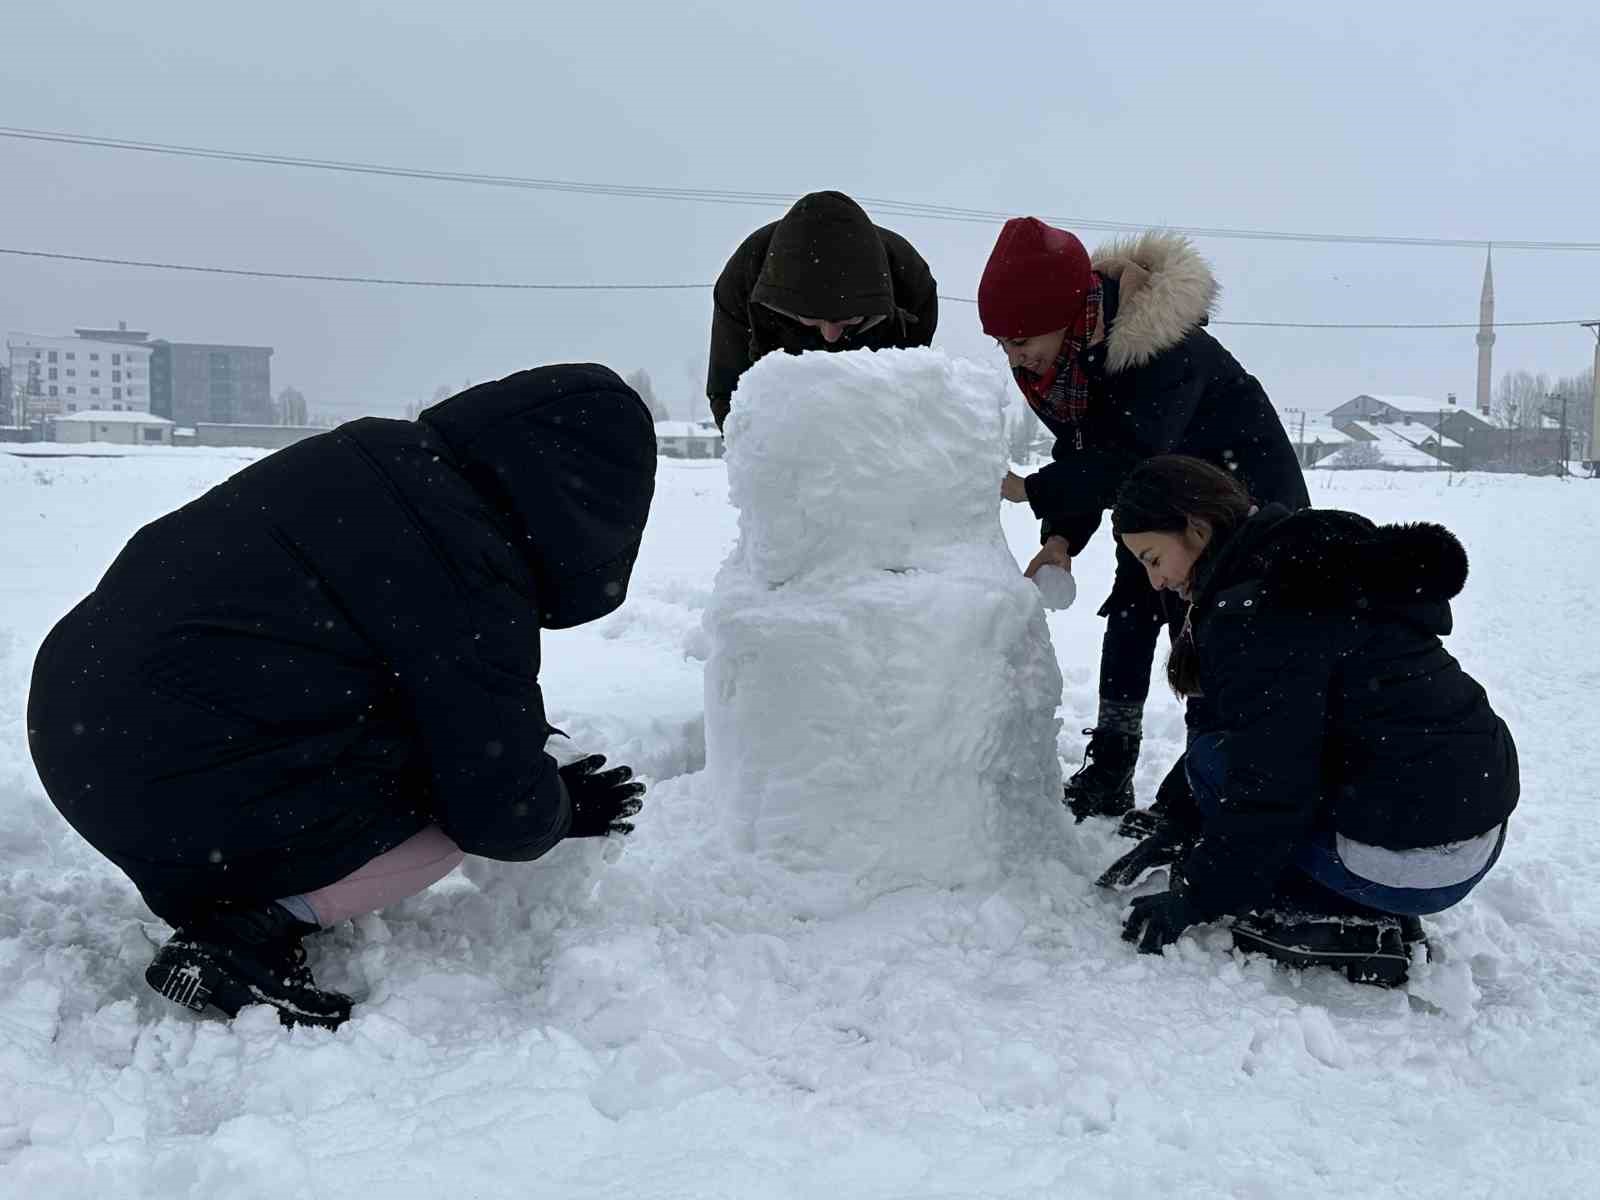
(1486,335)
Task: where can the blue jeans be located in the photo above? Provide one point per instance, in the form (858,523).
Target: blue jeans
(1318,856)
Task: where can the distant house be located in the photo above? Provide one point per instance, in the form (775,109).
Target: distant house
(688,439)
(1462,437)
(122,428)
(1318,441)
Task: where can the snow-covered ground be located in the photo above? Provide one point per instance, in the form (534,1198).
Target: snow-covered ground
(660,1023)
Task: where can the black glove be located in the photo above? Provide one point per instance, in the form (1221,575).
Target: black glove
(1165,846)
(1156,921)
(602,801)
(1174,805)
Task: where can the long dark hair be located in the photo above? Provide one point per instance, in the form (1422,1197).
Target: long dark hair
(1166,494)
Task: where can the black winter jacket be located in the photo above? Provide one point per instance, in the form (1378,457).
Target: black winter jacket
(1322,670)
(1159,384)
(824,259)
(340,644)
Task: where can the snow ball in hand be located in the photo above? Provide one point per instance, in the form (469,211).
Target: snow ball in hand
(1057,588)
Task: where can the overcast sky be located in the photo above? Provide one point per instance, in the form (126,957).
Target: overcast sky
(1385,119)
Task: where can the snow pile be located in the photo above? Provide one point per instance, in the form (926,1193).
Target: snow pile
(881,688)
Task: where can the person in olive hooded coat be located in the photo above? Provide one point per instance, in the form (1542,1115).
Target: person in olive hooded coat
(823,278)
(330,661)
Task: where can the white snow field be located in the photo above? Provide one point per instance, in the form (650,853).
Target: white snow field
(661,1018)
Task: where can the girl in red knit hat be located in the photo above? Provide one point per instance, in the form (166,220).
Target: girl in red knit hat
(1112,354)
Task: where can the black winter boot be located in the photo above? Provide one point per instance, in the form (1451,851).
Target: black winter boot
(1308,925)
(241,956)
(1103,786)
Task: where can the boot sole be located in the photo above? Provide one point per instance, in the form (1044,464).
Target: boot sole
(1380,968)
(204,984)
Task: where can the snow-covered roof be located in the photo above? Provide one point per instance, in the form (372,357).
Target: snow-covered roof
(1328,435)
(1408,435)
(116,418)
(687,429)
(18,340)
(1407,403)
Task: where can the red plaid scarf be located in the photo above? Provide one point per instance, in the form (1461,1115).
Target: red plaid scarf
(1061,394)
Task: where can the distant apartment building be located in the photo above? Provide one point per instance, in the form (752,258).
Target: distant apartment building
(105,369)
(195,384)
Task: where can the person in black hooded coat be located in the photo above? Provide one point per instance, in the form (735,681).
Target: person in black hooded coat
(823,278)
(335,652)
(1344,763)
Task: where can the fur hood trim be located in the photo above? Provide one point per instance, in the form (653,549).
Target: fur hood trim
(1165,290)
(1338,566)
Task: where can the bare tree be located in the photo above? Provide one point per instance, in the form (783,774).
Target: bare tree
(1522,398)
(291,407)
(15,404)
(639,381)
(1578,393)
(1359,456)
(1026,435)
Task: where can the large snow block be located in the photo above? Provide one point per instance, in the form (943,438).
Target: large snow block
(862,461)
(881,688)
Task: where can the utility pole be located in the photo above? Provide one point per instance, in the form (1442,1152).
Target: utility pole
(1300,443)
(1561,464)
(1594,412)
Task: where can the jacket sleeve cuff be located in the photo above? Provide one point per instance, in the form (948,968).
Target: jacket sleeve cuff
(1031,485)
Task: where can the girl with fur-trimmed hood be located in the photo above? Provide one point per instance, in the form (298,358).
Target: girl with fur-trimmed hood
(1112,355)
(1344,775)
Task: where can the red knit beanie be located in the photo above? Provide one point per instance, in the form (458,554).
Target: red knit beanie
(1035,280)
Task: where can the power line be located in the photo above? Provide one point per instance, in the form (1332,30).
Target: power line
(309,277)
(1354,325)
(432,283)
(925,211)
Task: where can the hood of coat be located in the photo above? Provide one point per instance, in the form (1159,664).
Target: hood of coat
(1322,560)
(826,260)
(1165,290)
(1341,560)
(567,455)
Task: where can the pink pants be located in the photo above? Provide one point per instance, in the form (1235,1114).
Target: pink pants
(414,865)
